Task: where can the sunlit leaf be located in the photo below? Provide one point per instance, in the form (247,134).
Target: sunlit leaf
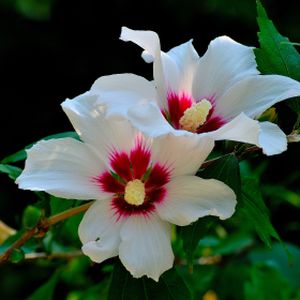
(276,54)
(123,286)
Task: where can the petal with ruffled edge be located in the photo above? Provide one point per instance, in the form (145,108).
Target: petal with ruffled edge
(99,231)
(122,91)
(145,247)
(190,198)
(173,71)
(255,94)
(182,154)
(243,129)
(87,115)
(64,168)
(224,63)
(149,41)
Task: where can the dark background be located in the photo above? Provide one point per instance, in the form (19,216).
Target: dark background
(51,50)
(55,49)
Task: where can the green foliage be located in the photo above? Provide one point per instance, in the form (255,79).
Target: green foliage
(46,291)
(267,284)
(17,256)
(225,169)
(193,233)
(31,216)
(255,212)
(123,286)
(12,171)
(276,54)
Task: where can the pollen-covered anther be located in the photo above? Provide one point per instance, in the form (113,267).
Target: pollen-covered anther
(195,116)
(135,192)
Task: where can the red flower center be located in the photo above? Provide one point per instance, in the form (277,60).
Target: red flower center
(135,166)
(179,103)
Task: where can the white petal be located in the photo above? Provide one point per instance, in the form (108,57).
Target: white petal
(190,198)
(183,154)
(253,95)
(63,168)
(99,231)
(186,59)
(272,139)
(87,115)
(149,41)
(147,117)
(241,129)
(224,63)
(265,135)
(122,91)
(145,247)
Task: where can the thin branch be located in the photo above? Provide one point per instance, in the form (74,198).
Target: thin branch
(55,255)
(42,227)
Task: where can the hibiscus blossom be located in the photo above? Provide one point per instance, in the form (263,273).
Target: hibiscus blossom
(220,94)
(140,185)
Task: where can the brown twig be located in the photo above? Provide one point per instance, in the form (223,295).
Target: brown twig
(42,227)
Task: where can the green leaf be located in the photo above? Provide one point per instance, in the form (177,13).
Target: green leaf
(191,235)
(276,54)
(267,284)
(17,256)
(288,266)
(21,155)
(46,291)
(225,169)
(124,286)
(31,216)
(254,210)
(200,280)
(12,171)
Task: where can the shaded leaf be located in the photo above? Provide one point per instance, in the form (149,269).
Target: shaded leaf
(191,235)
(12,171)
(46,291)
(31,216)
(225,169)
(288,266)
(254,210)
(123,286)
(267,284)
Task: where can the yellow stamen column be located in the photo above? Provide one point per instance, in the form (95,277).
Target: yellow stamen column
(135,192)
(195,116)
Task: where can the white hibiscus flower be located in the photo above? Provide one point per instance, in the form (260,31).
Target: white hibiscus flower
(141,186)
(219,94)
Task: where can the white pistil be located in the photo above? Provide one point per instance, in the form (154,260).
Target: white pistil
(195,116)
(135,192)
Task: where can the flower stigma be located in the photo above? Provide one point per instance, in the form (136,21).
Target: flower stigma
(195,116)
(135,192)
